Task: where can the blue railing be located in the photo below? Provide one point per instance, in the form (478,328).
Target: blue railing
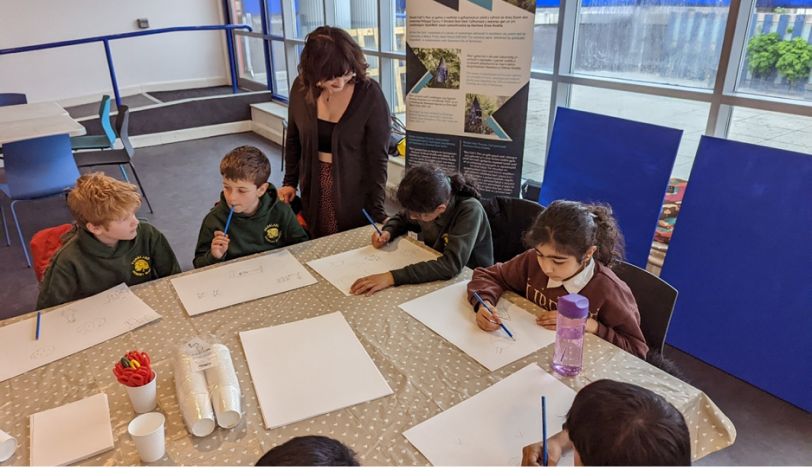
(107,39)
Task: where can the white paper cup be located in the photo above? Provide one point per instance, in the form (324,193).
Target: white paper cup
(227,406)
(7,446)
(144,398)
(147,432)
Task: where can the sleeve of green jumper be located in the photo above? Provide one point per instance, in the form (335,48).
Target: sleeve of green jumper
(462,237)
(164,262)
(398,225)
(58,286)
(203,256)
(293,231)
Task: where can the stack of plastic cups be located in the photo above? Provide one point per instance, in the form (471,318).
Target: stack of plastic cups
(224,388)
(193,397)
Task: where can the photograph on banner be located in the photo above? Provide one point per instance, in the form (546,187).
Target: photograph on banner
(467,86)
(444,66)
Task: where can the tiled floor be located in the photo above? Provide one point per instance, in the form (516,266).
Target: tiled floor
(790,132)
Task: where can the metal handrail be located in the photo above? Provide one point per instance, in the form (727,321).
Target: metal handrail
(106,39)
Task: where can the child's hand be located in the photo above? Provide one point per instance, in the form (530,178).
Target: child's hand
(556,445)
(372,284)
(485,320)
(219,244)
(286,194)
(380,240)
(548,319)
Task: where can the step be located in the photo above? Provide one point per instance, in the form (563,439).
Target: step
(267,118)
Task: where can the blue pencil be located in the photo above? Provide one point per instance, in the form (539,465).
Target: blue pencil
(544,426)
(491,312)
(225,231)
(373,224)
(39,316)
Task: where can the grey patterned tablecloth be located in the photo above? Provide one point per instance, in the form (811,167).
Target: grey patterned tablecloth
(427,374)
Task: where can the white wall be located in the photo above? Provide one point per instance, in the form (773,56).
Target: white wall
(78,74)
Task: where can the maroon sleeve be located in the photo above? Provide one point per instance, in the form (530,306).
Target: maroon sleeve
(491,282)
(619,320)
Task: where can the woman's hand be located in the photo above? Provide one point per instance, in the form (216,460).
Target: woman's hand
(485,320)
(380,240)
(372,284)
(286,194)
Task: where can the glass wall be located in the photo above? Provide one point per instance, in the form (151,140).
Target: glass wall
(656,61)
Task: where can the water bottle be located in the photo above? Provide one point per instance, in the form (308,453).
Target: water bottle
(573,312)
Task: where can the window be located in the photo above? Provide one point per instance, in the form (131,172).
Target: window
(689,116)
(251,59)
(544,33)
(782,131)
(309,16)
(777,52)
(535,142)
(676,42)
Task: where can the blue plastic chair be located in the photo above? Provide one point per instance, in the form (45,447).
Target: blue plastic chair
(37,169)
(105,141)
(118,157)
(12,99)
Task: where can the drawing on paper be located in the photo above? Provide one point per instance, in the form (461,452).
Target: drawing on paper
(68,314)
(90,326)
(373,258)
(114,295)
(289,277)
(501,341)
(42,352)
(503,310)
(246,272)
(136,322)
(337,263)
(208,294)
(515,461)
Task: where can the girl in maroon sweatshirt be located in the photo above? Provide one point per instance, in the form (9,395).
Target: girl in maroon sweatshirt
(573,247)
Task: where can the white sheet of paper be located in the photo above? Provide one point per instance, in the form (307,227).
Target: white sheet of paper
(308,368)
(72,432)
(492,427)
(70,329)
(242,281)
(343,269)
(448,313)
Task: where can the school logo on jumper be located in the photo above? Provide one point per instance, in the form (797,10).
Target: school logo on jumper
(272,233)
(141,266)
(445,239)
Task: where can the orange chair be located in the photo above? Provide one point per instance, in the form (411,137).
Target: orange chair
(43,246)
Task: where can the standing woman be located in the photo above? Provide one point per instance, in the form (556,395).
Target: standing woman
(338,136)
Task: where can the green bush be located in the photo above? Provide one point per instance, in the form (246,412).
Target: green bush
(762,54)
(795,59)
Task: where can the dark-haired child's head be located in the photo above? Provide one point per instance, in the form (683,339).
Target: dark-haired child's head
(310,450)
(568,234)
(245,172)
(613,423)
(425,191)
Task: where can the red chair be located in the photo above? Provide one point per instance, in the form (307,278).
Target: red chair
(43,246)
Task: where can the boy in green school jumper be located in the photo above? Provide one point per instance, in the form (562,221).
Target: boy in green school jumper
(107,245)
(260,221)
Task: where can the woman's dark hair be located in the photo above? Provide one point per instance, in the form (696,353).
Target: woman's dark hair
(613,423)
(575,227)
(310,450)
(425,187)
(329,53)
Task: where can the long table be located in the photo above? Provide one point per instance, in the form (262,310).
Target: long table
(427,374)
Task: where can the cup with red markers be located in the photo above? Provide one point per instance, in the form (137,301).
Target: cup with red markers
(136,374)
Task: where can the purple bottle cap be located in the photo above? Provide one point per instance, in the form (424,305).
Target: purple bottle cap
(573,306)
